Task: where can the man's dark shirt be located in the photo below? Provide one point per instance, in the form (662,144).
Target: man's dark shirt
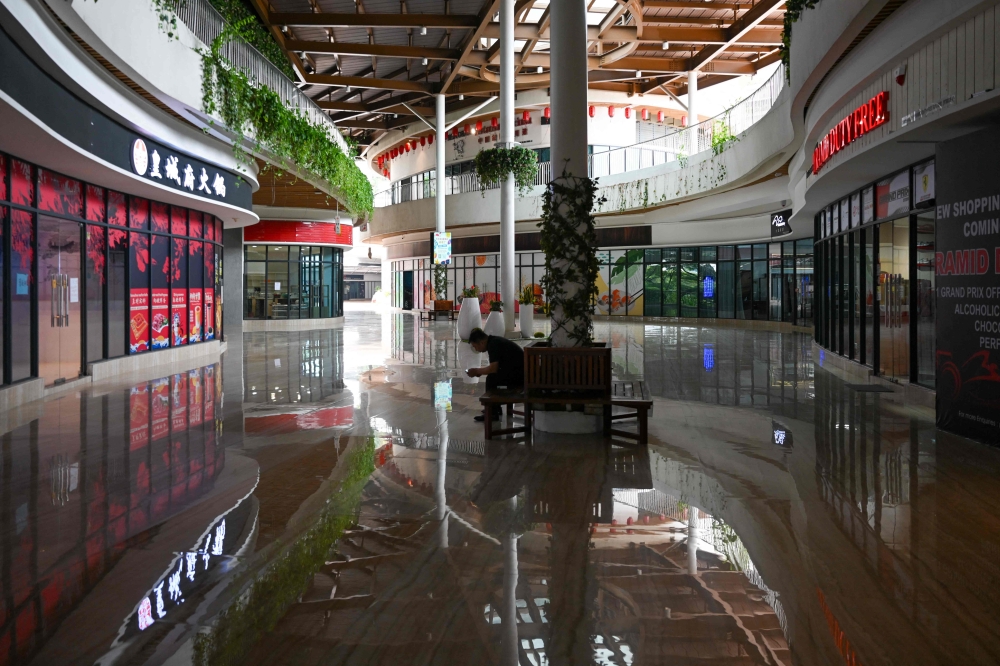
(510,356)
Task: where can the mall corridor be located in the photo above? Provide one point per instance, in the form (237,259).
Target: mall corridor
(324,497)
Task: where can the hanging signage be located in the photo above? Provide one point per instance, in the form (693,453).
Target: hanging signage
(923,184)
(779,223)
(967,317)
(859,122)
(442,247)
(892,195)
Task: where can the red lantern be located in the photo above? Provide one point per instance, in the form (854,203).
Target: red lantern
(526,116)
(684,121)
(407,146)
(628,113)
(423,141)
(547,113)
(467,130)
(645,114)
(659,116)
(611,112)
(592,110)
(495,122)
(430,139)
(392,153)
(479,125)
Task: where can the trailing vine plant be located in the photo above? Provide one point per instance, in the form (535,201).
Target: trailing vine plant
(722,136)
(793,12)
(568,240)
(256,114)
(254,32)
(441,280)
(493,165)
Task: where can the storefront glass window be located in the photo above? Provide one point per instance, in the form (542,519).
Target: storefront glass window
(294,282)
(924,299)
(689,289)
(804,291)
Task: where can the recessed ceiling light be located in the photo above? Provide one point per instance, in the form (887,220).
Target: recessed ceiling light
(539,70)
(423,30)
(666,46)
(423,61)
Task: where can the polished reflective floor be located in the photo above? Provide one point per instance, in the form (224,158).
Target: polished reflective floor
(325,497)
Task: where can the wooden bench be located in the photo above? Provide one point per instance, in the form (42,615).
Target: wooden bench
(635,396)
(430,314)
(495,400)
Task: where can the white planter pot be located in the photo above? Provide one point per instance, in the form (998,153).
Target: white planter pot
(527,320)
(495,325)
(469,358)
(469,317)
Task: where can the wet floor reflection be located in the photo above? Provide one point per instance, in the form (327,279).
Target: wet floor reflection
(346,510)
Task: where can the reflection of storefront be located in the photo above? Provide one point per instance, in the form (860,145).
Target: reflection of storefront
(295,270)
(875,262)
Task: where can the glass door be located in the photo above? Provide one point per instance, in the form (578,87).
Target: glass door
(59,329)
(894,299)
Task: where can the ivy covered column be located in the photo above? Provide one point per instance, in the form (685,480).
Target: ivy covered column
(568,237)
(508,284)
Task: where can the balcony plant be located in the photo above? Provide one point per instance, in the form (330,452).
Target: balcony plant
(469,316)
(493,165)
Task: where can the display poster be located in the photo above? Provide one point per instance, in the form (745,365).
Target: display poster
(892,195)
(161,318)
(442,247)
(968,286)
(835,217)
(867,206)
(178,404)
(138,409)
(178,324)
(194,316)
(138,324)
(855,210)
(442,395)
(209,315)
(779,223)
(161,408)
(845,215)
(923,183)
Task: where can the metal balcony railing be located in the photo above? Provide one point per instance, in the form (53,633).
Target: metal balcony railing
(206,23)
(707,135)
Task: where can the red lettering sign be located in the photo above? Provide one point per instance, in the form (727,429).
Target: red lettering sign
(858,123)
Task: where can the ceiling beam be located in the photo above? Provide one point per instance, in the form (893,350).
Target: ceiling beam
(482,20)
(741,27)
(762,36)
(366,82)
(384,50)
(693,4)
(691,20)
(360,107)
(352,20)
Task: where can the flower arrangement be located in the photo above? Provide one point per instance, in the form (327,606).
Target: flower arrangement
(527,295)
(470,292)
(495,306)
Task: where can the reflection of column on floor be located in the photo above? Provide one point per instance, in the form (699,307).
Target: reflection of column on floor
(692,541)
(440,494)
(509,641)
(571,605)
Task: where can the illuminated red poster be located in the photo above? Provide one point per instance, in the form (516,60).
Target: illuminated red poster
(195,397)
(139,321)
(161,408)
(194,316)
(161,318)
(178,403)
(138,408)
(209,312)
(178,325)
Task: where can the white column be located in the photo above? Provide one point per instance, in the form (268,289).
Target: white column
(440,489)
(568,49)
(508,612)
(508,280)
(692,98)
(439,169)
(692,542)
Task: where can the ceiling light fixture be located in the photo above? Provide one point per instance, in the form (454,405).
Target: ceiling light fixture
(666,46)
(638,73)
(423,30)
(461,98)
(539,70)
(423,61)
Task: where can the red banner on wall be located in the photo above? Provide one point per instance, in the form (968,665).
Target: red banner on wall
(194,316)
(209,314)
(161,318)
(179,319)
(139,321)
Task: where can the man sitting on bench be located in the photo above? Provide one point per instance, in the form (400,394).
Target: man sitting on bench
(506,368)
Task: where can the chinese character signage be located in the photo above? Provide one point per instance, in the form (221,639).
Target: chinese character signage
(179,171)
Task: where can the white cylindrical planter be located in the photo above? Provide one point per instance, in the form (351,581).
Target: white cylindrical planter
(469,317)
(495,324)
(469,358)
(527,317)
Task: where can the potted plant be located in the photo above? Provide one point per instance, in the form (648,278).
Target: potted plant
(468,315)
(527,314)
(494,323)
(441,288)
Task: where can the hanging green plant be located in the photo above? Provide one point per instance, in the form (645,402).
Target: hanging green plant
(254,32)
(256,114)
(793,12)
(493,165)
(569,242)
(722,136)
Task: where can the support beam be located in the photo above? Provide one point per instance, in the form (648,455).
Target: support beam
(365,82)
(383,50)
(482,20)
(741,27)
(358,20)
(361,107)
(693,4)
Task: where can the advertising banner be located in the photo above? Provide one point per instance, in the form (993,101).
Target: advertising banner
(161,318)
(209,315)
(139,321)
(194,316)
(892,195)
(923,183)
(968,286)
(442,247)
(178,323)
(855,210)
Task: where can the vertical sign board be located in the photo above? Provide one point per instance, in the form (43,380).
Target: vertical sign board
(968,285)
(779,223)
(441,244)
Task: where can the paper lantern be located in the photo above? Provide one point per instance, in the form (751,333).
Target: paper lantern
(423,141)
(430,139)
(611,112)
(495,122)
(547,113)
(407,146)
(479,125)
(592,110)
(684,121)
(526,116)
(467,129)
(659,116)
(645,114)
(628,113)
